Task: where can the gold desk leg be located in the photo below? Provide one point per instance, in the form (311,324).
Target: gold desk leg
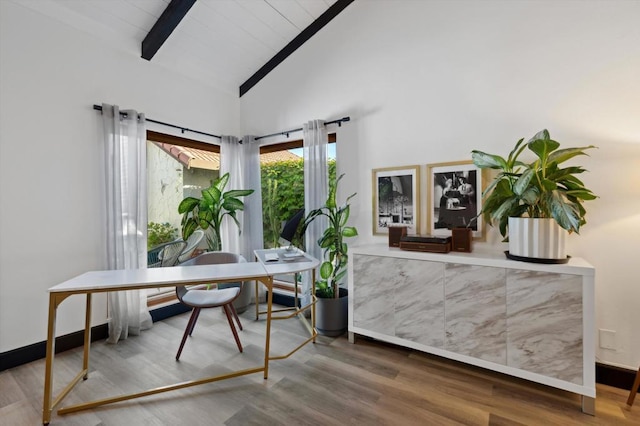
(257,304)
(87,337)
(48,375)
(295,290)
(268,331)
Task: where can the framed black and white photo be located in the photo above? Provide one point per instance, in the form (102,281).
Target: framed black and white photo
(454,198)
(396,199)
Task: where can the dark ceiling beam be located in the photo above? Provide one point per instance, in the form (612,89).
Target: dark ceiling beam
(305,35)
(164,26)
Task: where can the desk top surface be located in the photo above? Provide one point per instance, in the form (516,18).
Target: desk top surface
(122,279)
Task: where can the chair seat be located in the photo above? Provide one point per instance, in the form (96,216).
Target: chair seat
(210,299)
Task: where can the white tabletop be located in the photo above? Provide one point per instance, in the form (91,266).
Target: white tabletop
(286,265)
(161,277)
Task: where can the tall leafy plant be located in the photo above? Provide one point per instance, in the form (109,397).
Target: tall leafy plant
(540,189)
(208,211)
(335,249)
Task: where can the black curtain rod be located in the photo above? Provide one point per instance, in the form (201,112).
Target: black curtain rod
(182,129)
(286,132)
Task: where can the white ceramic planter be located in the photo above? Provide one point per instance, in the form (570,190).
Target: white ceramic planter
(537,238)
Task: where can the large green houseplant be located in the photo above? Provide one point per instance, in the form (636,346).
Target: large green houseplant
(209,211)
(541,189)
(331,314)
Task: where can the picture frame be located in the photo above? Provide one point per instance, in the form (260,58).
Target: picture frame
(396,198)
(454,198)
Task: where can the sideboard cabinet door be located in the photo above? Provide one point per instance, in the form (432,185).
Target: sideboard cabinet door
(475,312)
(544,324)
(399,297)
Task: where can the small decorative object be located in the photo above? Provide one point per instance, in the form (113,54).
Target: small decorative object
(536,204)
(395,233)
(454,198)
(461,239)
(396,198)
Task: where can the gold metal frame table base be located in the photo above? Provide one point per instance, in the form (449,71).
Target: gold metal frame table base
(56,298)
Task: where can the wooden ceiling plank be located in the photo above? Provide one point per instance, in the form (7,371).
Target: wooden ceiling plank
(293,12)
(254,27)
(292,46)
(314,7)
(164,26)
(270,17)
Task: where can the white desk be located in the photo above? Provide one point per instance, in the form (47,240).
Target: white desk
(290,262)
(105,281)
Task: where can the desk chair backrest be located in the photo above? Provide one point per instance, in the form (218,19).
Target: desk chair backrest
(211,258)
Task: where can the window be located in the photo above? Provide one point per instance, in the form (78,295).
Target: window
(282,176)
(176,168)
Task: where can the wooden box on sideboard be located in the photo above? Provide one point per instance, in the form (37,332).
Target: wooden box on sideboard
(461,239)
(395,233)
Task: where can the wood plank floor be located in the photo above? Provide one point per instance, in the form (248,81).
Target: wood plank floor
(332,382)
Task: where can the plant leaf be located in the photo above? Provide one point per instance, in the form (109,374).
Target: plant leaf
(543,147)
(563,155)
(326,269)
(187,205)
(523,182)
(235,193)
(563,211)
(232,204)
(349,231)
(484,160)
(221,182)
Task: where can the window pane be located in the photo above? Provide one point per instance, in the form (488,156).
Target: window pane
(173,173)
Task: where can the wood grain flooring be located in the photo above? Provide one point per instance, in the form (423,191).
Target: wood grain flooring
(332,382)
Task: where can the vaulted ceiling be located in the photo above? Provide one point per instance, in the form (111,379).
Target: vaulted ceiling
(221,43)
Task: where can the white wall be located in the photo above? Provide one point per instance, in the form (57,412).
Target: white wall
(428,81)
(51,218)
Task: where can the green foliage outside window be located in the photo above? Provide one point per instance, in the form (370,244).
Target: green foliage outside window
(283,195)
(160,233)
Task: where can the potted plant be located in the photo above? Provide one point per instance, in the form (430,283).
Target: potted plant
(331,315)
(207,213)
(537,200)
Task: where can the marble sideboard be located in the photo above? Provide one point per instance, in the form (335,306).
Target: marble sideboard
(528,320)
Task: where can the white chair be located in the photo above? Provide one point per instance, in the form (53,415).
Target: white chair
(201,298)
(192,243)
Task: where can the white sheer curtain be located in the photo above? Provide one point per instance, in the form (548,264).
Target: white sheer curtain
(242,161)
(316,182)
(126,203)
(252,231)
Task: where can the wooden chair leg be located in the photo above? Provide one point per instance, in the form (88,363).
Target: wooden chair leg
(634,389)
(193,323)
(235,315)
(187,331)
(228,312)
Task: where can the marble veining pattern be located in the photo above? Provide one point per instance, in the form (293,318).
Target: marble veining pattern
(475,312)
(419,301)
(373,287)
(544,323)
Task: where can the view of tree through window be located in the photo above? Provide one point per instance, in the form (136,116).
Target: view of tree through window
(283,193)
